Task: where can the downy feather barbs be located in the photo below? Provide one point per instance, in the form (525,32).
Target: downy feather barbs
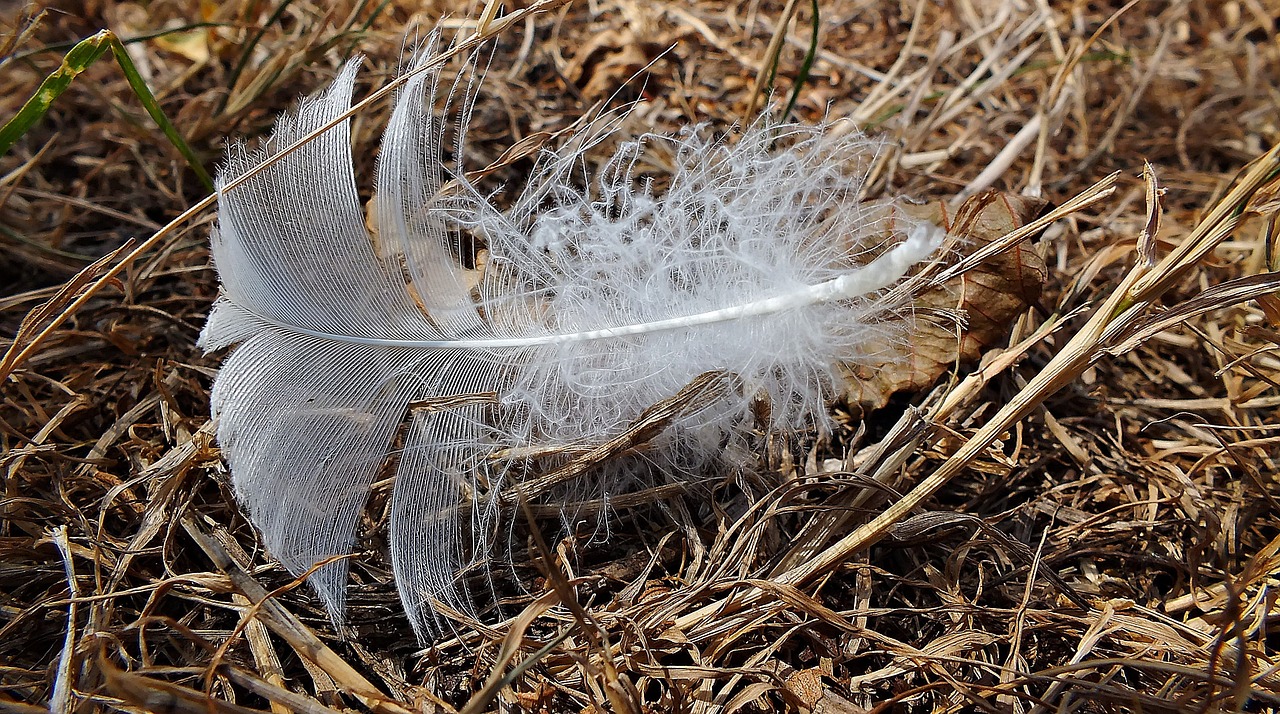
(598,300)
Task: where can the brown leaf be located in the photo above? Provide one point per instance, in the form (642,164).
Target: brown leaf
(988,297)
(606,63)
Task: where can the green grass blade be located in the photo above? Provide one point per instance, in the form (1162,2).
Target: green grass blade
(140,88)
(77,60)
(74,62)
(806,66)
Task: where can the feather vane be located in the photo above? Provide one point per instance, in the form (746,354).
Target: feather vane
(598,300)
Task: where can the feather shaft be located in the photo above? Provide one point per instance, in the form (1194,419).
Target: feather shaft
(879,274)
(598,301)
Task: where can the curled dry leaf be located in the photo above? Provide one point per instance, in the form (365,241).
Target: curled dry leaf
(605,63)
(985,299)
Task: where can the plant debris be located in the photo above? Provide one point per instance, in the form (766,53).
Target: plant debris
(1071,503)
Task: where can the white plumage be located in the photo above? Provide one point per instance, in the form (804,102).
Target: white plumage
(598,300)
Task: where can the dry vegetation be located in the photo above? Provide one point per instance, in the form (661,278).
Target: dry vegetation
(1084,520)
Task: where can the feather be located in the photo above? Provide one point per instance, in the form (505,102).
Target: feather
(599,299)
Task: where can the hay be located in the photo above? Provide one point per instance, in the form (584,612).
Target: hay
(1086,519)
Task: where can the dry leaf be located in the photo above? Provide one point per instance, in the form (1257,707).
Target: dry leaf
(193,45)
(606,63)
(988,297)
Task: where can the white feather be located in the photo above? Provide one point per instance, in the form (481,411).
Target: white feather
(596,304)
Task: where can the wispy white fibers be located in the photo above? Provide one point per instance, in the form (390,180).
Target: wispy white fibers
(602,296)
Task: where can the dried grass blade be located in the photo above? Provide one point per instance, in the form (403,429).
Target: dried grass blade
(143,92)
(279,697)
(72,294)
(1232,292)
(619,690)
(816,531)
(702,391)
(511,643)
(1140,285)
(1212,230)
(247,52)
(1063,369)
(1097,192)
(60,700)
(769,65)
(291,630)
(156,695)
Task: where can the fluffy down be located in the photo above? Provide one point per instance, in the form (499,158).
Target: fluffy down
(602,296)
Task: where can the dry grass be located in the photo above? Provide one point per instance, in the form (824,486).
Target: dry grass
(1086,520)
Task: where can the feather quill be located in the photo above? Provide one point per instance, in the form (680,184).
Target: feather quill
(598,300)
